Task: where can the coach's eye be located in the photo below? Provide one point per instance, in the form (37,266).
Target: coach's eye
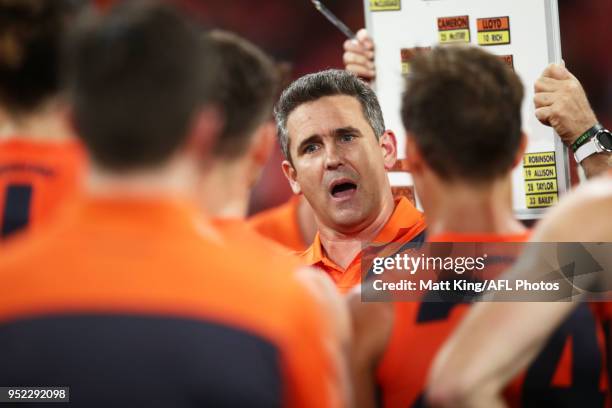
(347,137)
(310,148)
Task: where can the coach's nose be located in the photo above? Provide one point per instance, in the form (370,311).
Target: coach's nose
(333,158)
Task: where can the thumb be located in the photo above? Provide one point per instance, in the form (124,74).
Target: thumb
(558,71)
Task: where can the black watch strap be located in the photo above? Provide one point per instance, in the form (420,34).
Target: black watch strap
(586,136)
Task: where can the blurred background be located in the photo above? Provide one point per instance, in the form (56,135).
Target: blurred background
(293,31)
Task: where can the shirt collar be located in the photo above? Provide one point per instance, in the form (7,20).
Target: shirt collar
(314,254)
(403,219)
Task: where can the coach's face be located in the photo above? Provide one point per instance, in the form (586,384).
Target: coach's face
(337,162)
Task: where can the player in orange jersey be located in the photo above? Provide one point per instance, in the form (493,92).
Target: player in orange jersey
(131,299)
(40,163)
(521,330)
(461,162)
(337,153)
(245,90)
(561,103)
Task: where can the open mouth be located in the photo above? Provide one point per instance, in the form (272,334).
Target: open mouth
(343,189)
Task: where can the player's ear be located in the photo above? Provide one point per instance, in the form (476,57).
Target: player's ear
(259,152)
(204,131)
(66,114)
(414,158)
(388,144)
(291,175)
(520,152)
(263,143)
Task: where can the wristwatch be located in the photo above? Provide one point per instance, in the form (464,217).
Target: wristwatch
(586,136)
(600,141)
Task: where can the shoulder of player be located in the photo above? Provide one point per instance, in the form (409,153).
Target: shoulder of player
(242,233)
(567,223)
(32,246)
(594,191)
(276,215)
(64,148)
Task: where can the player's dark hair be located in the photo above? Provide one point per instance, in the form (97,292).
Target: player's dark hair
(332,82)
(463,107)
(31,34)
(245,89)
(137,77)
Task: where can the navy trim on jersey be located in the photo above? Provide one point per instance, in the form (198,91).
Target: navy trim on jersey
(136,361)
(16,213)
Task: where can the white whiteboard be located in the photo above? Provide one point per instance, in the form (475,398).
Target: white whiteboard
(529,30)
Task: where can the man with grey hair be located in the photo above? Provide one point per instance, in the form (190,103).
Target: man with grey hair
(337,153)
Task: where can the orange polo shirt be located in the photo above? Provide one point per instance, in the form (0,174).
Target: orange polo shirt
(405,224)
(281,224)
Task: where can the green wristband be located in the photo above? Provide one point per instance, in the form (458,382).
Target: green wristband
(586,136)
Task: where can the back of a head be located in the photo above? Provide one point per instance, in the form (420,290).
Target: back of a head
(462,105)
(331,82)
(245,90)
(30,42)
(137,76)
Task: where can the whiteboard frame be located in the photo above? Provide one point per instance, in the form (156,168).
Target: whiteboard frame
(553,34)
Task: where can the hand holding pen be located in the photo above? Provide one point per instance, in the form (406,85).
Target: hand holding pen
(358,55)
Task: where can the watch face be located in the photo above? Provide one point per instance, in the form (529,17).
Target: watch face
(605,139)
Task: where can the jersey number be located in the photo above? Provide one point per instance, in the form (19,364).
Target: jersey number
(587,360)
(16,215)
(537,389)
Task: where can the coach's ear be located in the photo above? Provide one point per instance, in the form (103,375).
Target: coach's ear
(520,152)
(291,175)
(388,144)
(414,159)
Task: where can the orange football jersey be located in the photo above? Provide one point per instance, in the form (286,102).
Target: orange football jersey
(36,177)
(182,319)
(570,371)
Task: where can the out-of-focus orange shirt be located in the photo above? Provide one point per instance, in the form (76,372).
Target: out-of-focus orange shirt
(36,178)
(281,224)
(271,252)
(111,259)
